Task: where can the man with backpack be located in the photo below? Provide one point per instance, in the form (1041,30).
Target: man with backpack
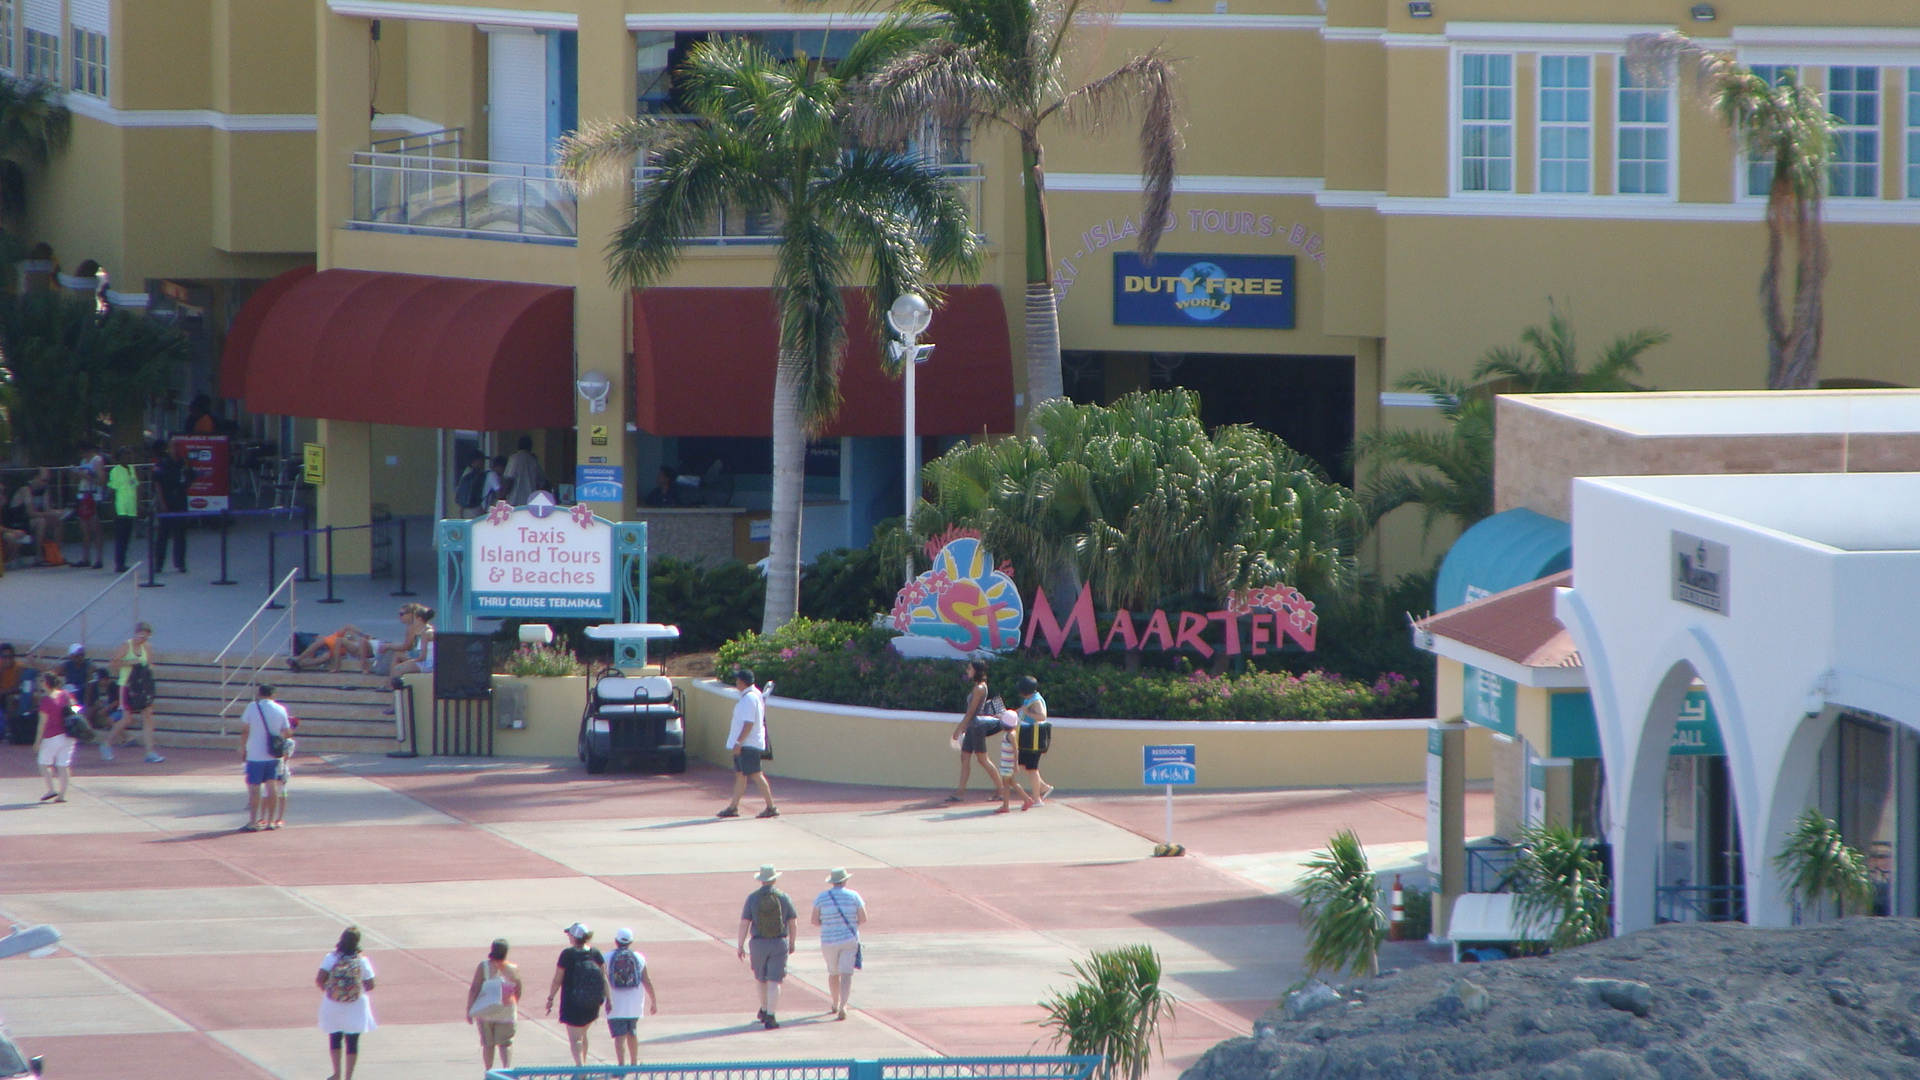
(580,981)
(630,995)
(767,923)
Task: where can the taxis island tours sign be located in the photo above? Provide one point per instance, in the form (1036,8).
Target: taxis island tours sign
(541,559)
(971,604)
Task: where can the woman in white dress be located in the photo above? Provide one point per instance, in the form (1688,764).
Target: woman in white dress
(345,980)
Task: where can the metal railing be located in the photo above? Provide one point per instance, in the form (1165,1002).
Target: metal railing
(444,143)
(87,616)
(734,223)
(261,651)
(955,1068)
(1490,869)
(1700,903)
(449,196)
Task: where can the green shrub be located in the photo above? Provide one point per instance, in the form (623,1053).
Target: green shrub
(533,661)
(851,664)
(849,583)
(709,604)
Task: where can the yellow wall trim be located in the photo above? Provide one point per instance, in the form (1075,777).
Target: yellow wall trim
(462,13)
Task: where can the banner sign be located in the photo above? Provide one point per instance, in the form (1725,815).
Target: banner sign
(964,598)
(542,559)
(1231,291)
(210,456)
(1255,622)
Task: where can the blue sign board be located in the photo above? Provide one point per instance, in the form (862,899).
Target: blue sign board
(1169,765)
(599,483)
(1231,291)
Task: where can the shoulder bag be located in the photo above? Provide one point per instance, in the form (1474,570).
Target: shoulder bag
(858,946)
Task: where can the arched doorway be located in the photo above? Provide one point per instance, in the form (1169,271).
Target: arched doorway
(1702,871)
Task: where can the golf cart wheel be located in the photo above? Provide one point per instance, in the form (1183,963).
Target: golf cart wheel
(677,761)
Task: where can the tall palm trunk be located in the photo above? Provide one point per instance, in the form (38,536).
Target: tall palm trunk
(1793,339)
(1044,382)
(789,480)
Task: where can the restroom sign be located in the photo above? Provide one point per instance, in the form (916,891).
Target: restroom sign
(1225,291)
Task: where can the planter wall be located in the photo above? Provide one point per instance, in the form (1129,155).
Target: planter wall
(850,744)
(553,717)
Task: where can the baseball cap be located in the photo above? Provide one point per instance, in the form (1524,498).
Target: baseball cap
(578,931)
(623,936)
(76,649)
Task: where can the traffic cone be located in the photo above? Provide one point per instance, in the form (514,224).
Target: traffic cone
(1397,913)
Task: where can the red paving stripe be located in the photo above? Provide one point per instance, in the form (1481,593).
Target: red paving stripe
(33,877)
(188,1054)
(275,990)
(350,855)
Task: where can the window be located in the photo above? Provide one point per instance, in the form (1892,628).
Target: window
(1486,122)
(1760,173)
(89,62)
(43,56)
(1913,133)
(6,35)
(1853,97)
(1566,124)
(1642,140)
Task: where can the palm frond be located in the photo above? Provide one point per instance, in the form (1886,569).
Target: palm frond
(809,268)
(1339,902)
(1144,86)
(1561,893)
(1820,865)
(602,153)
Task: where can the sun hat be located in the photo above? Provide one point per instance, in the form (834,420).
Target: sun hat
(579,932)
(623,936)
(838,876)
(76,649)
(767,872)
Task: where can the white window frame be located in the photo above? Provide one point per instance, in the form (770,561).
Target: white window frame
(1876,129)
(1666,129)
(1456,164)
(87,68)
(1541,125)
(9,38)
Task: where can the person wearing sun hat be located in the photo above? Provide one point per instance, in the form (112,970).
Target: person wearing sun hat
(582,973)
(767,922)
(839,913)
(630,996)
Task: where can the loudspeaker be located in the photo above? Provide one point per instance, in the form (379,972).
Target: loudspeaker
(462,666)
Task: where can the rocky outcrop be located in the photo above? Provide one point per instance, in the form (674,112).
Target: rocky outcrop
(1696,1001)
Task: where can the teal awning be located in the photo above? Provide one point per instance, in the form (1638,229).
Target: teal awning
(1498,553)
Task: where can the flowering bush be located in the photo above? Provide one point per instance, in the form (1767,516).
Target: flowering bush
(544,660)
(851,664)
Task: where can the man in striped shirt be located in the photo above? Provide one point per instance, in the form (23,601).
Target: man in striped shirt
(838,912)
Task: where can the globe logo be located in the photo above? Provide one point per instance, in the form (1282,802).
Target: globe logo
(1200,292)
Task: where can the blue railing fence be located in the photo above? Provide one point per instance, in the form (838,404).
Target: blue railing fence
(1064,1067)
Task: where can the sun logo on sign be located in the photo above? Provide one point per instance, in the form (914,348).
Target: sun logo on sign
(963,598)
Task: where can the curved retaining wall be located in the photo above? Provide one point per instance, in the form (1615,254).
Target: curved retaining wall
(852,744)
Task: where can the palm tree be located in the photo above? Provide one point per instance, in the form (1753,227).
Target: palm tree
(33,126)
(71,367)
(1785,124)
(1820,865)
(1339,902)
(1114,1011)
(1561,890)
(1007,62)
(771,134)
(1549,363)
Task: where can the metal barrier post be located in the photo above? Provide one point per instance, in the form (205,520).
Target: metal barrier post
(331,599)
(225,520)
(154,552)
(306,545)
(401,555)
(272,538)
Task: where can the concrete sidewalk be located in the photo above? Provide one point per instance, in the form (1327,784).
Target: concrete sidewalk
(192,944)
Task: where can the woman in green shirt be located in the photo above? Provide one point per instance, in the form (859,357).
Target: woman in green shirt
(126,506)
(135,669)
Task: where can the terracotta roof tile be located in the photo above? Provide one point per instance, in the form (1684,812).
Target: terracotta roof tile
(1518,625)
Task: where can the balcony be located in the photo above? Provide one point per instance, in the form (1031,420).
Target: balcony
(421,184)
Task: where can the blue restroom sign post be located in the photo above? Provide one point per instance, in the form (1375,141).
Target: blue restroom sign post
(1168,765)
(1225,291)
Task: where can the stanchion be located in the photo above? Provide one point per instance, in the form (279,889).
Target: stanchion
(401,555)
(271,581)
(331,599)
(306,545)
(225,520)
(153,553)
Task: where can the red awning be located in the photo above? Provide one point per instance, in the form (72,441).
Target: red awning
(411,350)
(703,365)
(246,329)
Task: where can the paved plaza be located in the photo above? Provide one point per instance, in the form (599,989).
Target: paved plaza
(193,945)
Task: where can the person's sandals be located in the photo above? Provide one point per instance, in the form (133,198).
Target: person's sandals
(728,812)
(1028,804)
(840,1014)
(1005,808)
(254,826)
(278,825)
(771,811)
(770,1023)
(59,798)
(50,796)
(762,1016)
(956,798)
(1044,792)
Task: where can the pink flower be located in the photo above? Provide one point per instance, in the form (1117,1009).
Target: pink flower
(583,515)
(499,512)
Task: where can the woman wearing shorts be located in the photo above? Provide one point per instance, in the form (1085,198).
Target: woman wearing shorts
(972,733)
(1032,710)
(346,1013)
(135,668)
(491,998)
(54,748)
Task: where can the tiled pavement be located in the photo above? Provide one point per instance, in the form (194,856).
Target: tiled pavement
(191,946)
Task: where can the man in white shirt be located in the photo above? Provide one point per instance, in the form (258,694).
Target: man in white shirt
(747,740)
(266,773)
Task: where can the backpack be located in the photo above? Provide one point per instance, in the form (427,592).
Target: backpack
(467,491)
(140,689)
(586,988)
(769,916)
(343,979)
(623,969)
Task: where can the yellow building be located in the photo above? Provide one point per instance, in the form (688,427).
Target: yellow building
(1391,186)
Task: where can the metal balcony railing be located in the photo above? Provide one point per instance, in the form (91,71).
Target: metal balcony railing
(1700,903)
(422,192)
(734,223)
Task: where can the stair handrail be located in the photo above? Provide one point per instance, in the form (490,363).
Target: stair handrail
(81,611)
(247,663)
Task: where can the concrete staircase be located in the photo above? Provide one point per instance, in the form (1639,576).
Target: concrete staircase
(338,713)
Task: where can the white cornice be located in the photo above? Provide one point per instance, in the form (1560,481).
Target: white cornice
(1347,199)
(1550,33)
(1188,185)
(772,20)
(1831,37)
(460,13)
(1617,208)
(1154,20)
(95,109)
(1395,40)
(1352,33)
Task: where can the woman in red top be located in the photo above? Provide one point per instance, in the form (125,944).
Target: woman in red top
(54,748)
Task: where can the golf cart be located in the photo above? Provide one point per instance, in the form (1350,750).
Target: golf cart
(633,718)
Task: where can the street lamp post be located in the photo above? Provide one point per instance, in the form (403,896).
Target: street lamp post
(909,317)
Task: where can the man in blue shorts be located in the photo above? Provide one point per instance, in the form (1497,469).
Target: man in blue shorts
(262,721)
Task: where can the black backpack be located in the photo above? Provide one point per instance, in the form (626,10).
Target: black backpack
(467,492)
(140,687)
(585,987)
